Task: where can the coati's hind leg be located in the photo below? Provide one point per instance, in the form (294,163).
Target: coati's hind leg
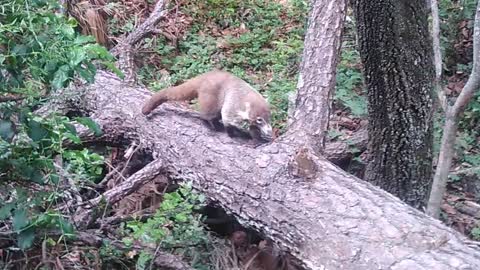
(209,110)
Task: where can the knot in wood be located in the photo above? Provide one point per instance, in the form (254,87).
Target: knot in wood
(302,164)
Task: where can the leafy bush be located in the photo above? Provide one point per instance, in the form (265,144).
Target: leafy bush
(175,227)
(41,48)
(451,14)
(349,82)
(40,52)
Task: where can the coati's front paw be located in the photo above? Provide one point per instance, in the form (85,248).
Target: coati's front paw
(214,125)
(235,132)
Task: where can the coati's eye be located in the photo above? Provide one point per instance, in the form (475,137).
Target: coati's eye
(259,120)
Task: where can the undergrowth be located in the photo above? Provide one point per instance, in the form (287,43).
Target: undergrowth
(456,30)
(176,228)
(350,93)
(40,52)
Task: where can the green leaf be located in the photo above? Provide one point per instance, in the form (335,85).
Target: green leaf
(98,170)
(99,51)
(36,131)
(27,171)
(87,74)
(71,128)
(6,130)
(20,219)
(127,241)
(333,134)
(143,260)
(22,194)
(51,66)
(25,238)
(91,67)
(181,217)
(37,176)
(71,21)
(54,178)
(114,69)
(67,30)
(61,76)
(65,226)
(74,138)
(88,122)
(19,49)
(76,57)
(80,40)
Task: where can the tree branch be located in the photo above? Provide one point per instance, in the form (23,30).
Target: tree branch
(148,26)
(437,55)
(8,98)
(451,125)
(84,217)
(124,49)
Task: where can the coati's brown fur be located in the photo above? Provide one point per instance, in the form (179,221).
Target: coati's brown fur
(222,96)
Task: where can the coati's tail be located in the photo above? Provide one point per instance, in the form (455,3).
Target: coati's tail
(185,91)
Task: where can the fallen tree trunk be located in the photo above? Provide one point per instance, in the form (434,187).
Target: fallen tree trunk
(328,220)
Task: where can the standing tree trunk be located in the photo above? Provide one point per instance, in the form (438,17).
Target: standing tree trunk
(317,73)
(396,51)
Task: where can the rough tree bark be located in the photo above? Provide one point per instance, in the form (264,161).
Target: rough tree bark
(396,52)
(317,72)
(452,113)
(437,54)
(330,221)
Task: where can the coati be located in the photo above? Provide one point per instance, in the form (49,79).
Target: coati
(222,97)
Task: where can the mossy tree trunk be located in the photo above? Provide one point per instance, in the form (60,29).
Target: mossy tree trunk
(396,51)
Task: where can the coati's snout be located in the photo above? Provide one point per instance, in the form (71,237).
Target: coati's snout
(262,129)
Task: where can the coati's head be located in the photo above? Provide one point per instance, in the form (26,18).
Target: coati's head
(260,125)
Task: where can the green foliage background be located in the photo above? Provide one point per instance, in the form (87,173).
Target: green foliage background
(41,52)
